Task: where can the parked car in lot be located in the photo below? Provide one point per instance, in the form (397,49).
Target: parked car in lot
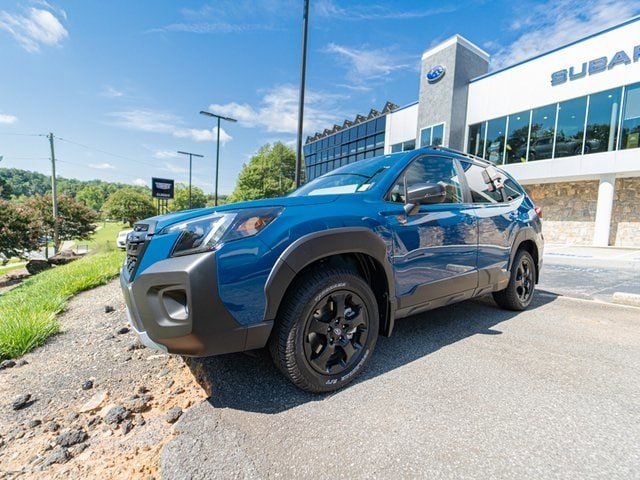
(319,274)
(121,241)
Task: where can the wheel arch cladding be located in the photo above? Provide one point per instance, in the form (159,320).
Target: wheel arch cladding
(355,246)
(525,239)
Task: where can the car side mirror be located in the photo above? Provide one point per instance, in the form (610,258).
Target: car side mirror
(423,194)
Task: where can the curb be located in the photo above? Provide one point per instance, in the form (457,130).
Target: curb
(630,299)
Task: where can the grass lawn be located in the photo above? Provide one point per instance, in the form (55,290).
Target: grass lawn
(105,236)
(28,313)
(11,266)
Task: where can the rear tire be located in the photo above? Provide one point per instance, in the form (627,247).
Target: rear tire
(326,329)
(522,282)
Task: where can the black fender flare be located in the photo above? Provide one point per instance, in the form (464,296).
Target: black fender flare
(317,245)
(526,233)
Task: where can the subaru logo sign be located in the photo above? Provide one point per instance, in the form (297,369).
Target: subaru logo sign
(436,73)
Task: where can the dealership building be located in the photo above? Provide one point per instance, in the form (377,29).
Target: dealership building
(565,123)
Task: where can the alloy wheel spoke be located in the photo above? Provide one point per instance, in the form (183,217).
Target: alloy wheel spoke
(339,304)
(349,352)
(354,321)
(318,326)
(322,359)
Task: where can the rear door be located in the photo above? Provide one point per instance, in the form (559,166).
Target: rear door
(435,249)
(497,214)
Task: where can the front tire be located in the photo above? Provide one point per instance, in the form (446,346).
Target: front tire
(326,329)
(522,282)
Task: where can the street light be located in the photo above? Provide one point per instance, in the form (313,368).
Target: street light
(303,71)
(219,117)
(191,155)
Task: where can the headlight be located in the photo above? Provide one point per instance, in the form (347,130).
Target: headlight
(202,234)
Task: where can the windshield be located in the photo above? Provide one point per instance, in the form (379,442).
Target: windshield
(357,177)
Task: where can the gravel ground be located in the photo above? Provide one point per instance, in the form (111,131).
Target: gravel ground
(57,434)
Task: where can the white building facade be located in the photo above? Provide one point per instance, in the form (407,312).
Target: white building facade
(566,124)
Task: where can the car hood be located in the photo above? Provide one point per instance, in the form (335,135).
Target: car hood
(171,218)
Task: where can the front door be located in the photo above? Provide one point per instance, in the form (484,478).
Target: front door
(435,249)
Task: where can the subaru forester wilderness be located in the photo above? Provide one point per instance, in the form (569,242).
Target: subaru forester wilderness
(319,274)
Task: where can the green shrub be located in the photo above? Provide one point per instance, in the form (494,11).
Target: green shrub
(28,313)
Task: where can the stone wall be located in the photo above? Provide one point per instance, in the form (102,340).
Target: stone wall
(625,222)
(569,211)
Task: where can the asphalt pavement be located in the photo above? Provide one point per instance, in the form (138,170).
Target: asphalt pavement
(465,391)
(590,272)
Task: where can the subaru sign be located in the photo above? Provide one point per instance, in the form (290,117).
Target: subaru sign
(436,73)
(596,65)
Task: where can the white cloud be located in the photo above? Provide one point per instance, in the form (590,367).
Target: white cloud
(544,26)
(331,9)
(163,154)
(278,110)
(34,29)
(162,122)
(111,92)
(8,119)
(366,64)
(102,166)
(140,182)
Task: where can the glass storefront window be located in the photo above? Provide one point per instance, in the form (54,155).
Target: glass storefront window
(370,142)
(381,123)
(542,130)
(602,121)
(476,139)
(425,137)
(570,131)
(437,136)
(517,137)
(360,145)
(380,140)
(379,152)
(495,140)
(371,127)
(396,148)
(352,147)
(362,130)
(409,145)
(630,134)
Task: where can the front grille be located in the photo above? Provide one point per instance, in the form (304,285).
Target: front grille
(137,241)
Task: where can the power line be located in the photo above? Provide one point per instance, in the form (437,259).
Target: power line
(106,153)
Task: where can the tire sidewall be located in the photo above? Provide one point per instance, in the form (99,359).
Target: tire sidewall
(339,282)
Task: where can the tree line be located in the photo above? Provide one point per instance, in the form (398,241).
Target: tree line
(26,219)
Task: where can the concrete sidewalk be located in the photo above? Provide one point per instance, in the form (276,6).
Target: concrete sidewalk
(622,257)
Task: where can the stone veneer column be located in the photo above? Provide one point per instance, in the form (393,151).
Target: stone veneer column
(606,195)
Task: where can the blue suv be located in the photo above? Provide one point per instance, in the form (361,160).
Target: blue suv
(319,274)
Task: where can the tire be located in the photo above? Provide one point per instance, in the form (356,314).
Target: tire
(306,334)
(522,282)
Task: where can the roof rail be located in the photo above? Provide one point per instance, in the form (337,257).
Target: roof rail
(459,152)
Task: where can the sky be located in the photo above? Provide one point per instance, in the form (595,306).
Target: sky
(120,83)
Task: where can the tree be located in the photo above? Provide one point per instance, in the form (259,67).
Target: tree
(5,189)
(129,205)
(76,221)
(181,198)
(93,196)
(269,173)
(18,231)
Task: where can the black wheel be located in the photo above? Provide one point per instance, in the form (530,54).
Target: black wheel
(326,330)
(522,283)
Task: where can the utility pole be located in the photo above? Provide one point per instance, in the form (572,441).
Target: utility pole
(219,117)
(191,155)
(54,195)
(303,72)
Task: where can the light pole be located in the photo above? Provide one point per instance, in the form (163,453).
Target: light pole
(219,117)
(303,71)
(191,155)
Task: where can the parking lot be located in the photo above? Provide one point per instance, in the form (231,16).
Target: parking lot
(466,391)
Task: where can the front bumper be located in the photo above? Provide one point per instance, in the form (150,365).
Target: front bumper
(174,307)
